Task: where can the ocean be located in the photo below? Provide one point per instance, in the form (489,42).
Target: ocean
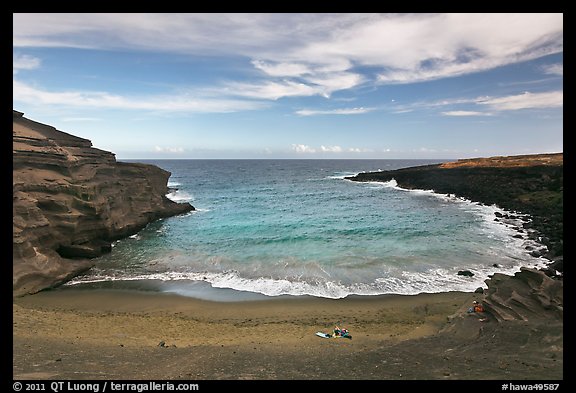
(296,227)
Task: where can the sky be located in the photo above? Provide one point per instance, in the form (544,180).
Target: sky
(430,86)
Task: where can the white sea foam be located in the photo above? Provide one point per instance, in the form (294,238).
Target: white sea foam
(180,196)
(503,229)
(406,283)
(342,175)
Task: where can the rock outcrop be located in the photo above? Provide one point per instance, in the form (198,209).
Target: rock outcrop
(71,200)
(529,295)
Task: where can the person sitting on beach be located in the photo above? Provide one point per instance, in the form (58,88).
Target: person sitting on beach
(476,307)
(345,333)
(341,332)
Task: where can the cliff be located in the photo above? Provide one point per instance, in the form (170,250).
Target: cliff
(71,200)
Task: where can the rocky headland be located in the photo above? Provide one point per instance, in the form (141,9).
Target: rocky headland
(71,200)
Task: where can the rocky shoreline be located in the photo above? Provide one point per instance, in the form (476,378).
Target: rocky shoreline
(531,188)
(71,200)
(527,184)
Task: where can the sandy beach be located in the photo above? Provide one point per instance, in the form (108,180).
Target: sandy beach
(116,334)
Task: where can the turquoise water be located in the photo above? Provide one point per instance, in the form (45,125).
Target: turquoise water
(297,227)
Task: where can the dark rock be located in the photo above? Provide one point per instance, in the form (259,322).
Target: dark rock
(528,295)
(549,272)
(479,290)
(92,249)
(71,200)
(106,248)
(518,236)
(466,273)
(538,253)
(557,264)
(162,344)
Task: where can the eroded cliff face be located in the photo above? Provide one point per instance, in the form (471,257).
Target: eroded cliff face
(528,295)
(70,200)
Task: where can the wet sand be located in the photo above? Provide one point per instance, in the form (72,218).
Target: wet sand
(117,334)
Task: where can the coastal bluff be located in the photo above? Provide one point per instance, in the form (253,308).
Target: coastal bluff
(71,200)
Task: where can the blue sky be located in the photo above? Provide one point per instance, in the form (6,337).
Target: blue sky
(295,85)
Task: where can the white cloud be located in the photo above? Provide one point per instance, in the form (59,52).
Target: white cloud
(300,55)
(466,113)
(23,92)
(444,45)
(554,69)
(359,150)
(552,99)
(199,33)
(315,85)
(343,111)
(270,90)
(335,81)
(281,69)
(526,100)
(173,150)
(330,149)
(299,148)
(24,62)
(324,49)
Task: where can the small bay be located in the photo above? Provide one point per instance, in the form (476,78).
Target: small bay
(297,227)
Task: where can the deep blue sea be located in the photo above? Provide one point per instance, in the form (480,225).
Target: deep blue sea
(297,227)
